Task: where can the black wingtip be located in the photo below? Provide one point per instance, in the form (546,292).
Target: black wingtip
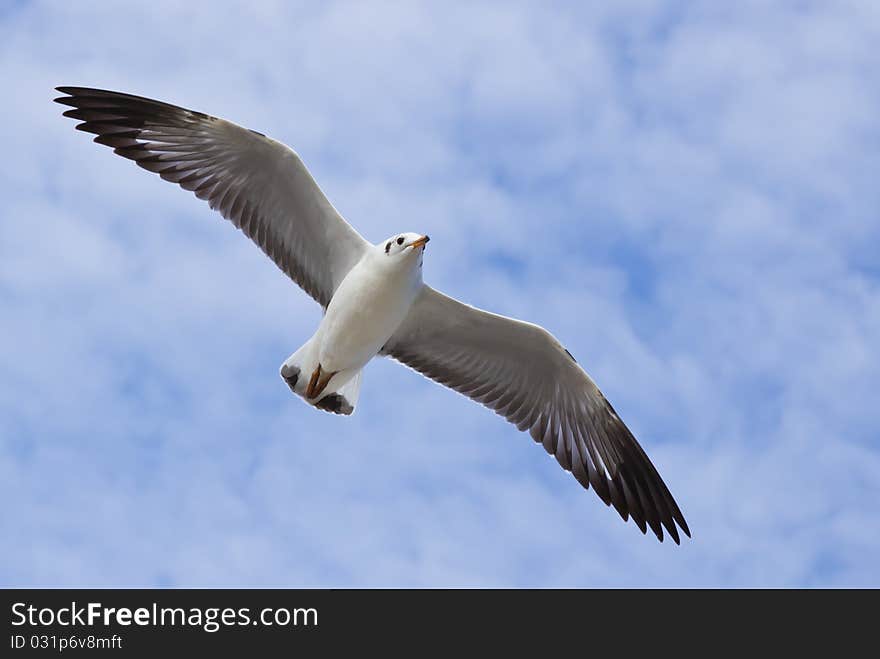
(673,532)
(73,90)
(683,524)
(67,89)
(86,92)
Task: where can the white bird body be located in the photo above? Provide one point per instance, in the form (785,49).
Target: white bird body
(366,309)
(375,302)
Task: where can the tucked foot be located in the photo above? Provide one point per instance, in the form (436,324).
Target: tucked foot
(335,403)
(318,382)
(313,383)
(290,374)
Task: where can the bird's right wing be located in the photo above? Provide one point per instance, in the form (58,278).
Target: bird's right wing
(257,183)
(521,371)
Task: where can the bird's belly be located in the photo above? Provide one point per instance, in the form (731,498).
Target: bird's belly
(361,317)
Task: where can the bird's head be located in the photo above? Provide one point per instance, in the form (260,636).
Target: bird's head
(404,245)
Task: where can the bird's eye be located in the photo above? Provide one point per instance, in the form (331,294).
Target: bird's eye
(400,241)
(387,246)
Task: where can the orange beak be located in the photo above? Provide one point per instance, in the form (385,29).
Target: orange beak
(419,242)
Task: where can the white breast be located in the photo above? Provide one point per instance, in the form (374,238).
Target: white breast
(365,311)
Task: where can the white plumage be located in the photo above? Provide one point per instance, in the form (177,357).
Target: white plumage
(376,303)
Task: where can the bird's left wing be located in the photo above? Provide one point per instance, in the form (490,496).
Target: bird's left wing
(257,183)
(521,371)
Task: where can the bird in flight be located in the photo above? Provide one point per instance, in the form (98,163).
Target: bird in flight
(375,302)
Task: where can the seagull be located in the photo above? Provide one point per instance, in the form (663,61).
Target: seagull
(375,302)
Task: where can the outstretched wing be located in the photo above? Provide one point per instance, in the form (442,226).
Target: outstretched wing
(521,371)
(258,184)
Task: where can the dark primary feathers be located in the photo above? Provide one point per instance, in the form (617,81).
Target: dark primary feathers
(257,183)
(520,371)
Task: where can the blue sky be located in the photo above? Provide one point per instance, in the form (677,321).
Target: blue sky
(684,193)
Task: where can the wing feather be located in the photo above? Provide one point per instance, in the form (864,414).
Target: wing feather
(521,371)
(258,184)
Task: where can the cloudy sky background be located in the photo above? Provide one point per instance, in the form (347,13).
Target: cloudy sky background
(684,193)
